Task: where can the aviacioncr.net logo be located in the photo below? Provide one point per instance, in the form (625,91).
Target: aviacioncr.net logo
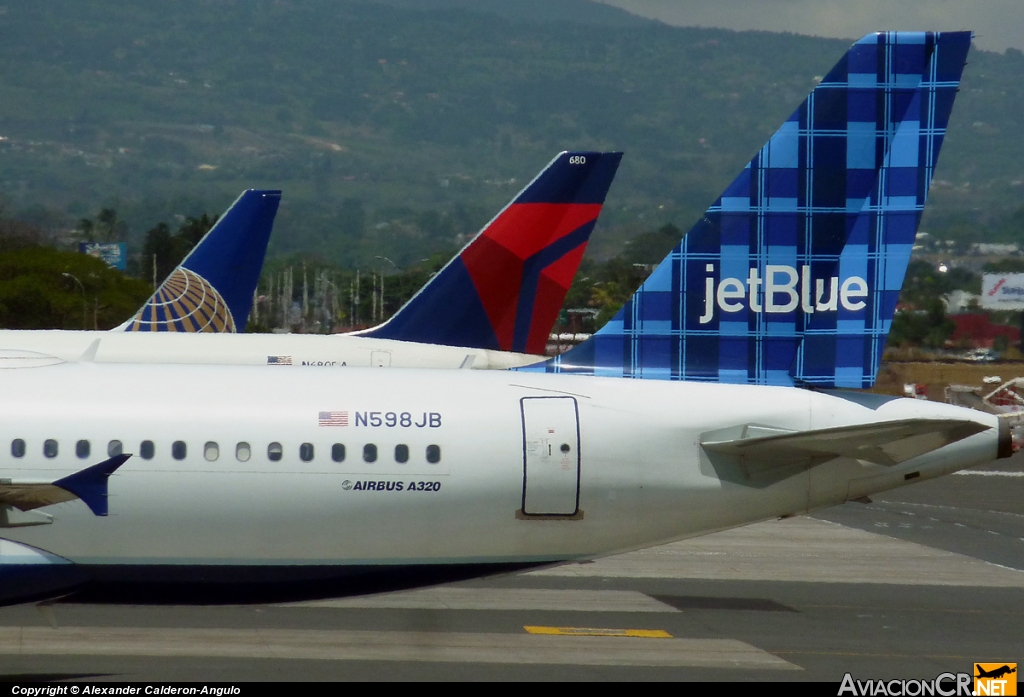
(944,685)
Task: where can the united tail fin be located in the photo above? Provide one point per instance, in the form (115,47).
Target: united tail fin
(505,288)
(792,275)
(212,289)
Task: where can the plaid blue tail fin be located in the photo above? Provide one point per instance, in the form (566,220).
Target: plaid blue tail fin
(792,276)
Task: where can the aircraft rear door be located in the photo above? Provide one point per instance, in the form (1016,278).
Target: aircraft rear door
(551,456)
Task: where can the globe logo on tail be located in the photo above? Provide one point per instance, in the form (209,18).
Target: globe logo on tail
(186,302)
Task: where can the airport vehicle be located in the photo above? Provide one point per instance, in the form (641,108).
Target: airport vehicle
(489,307)
(250,484)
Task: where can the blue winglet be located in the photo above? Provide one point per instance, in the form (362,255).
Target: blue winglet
(792,275)
(212,289)
(90,484)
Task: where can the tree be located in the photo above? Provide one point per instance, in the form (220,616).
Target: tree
(193,230)
(652,247)
(106,228)
(159,251)
(351,218)
(46,288)
(169,250)
(929,327)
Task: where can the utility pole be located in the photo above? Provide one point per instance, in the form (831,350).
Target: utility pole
(382,282)
(356,313)
(305,298)
(85,309)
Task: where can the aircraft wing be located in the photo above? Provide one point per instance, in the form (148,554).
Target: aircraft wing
(887,443)
(89,484)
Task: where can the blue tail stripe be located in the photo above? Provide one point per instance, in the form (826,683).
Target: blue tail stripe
(564,182)
(532,269)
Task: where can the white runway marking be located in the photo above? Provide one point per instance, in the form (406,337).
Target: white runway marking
(454,647)
(990,473)
(502,599)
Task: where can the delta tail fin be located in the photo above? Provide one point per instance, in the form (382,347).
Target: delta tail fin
(792,276)
(505,288)
(212,289)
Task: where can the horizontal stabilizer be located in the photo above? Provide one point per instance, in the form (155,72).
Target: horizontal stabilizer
(887,443)
(89,484)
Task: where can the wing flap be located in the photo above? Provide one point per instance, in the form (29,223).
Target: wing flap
(28,496)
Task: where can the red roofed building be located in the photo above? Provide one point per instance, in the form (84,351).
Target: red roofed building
(977,331)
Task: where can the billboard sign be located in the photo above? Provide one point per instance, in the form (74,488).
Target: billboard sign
(114,253)
(1002,291)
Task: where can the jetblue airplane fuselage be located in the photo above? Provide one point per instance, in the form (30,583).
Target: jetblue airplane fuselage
(239,471)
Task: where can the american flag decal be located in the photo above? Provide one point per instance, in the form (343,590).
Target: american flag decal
(279,360)
(334,418)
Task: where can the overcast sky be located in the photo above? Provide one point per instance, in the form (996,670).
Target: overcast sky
(997,24)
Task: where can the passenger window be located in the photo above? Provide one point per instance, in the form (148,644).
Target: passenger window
(50,448)
(178,450)
(433,454)
(306,452)
(211,451)
(114,448)
(370,452)
(82,449)
(146,450)
(338,452)
(18,448)
(402,453)
(243,452)
(274,451)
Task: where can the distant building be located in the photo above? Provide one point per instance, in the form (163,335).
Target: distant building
(977,330)
(959,301)
(990,249)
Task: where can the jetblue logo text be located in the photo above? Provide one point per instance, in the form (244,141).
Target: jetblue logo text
(393,419)
(784,289)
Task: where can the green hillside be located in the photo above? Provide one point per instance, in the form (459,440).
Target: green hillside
(396,131)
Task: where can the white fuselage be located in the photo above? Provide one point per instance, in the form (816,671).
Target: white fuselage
(530,467)
(278,350)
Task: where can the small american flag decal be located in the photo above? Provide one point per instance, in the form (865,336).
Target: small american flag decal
(279,360)
(334,418)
